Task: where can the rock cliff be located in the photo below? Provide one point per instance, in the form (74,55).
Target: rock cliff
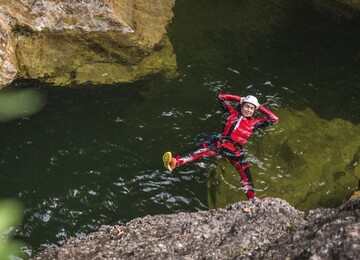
(267,229)
(97,41)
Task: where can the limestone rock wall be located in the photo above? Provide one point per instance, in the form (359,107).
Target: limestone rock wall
(78,41)
(8,61)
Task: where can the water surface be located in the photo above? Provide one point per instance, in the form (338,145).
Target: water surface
(92,155)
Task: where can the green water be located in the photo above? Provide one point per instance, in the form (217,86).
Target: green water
(92,155)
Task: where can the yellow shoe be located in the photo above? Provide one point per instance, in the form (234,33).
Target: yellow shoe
(169,161)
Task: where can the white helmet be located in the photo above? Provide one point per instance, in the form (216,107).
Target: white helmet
(250,99)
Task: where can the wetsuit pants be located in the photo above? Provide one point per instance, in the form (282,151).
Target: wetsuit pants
(227,149)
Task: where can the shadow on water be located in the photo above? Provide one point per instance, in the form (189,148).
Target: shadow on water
(92,155)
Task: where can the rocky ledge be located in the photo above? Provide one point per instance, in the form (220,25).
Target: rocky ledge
(256,229)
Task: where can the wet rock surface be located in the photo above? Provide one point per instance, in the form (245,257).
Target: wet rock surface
(253,229)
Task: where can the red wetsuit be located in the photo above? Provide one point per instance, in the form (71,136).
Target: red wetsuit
(237,130)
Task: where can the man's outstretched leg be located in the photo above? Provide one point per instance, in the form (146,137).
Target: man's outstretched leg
(205,149)
(243,169)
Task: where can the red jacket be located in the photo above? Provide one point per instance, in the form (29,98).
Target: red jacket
(239,128)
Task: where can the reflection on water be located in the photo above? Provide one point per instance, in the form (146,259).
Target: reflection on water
(92,155)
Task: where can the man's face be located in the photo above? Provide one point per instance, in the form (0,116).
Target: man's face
(247,109)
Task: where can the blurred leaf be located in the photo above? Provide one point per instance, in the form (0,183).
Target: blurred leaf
(20,103)
(10,216)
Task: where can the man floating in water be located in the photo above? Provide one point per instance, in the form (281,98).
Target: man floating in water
(239,126)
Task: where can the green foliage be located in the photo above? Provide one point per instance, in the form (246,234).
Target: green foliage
(10,217)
